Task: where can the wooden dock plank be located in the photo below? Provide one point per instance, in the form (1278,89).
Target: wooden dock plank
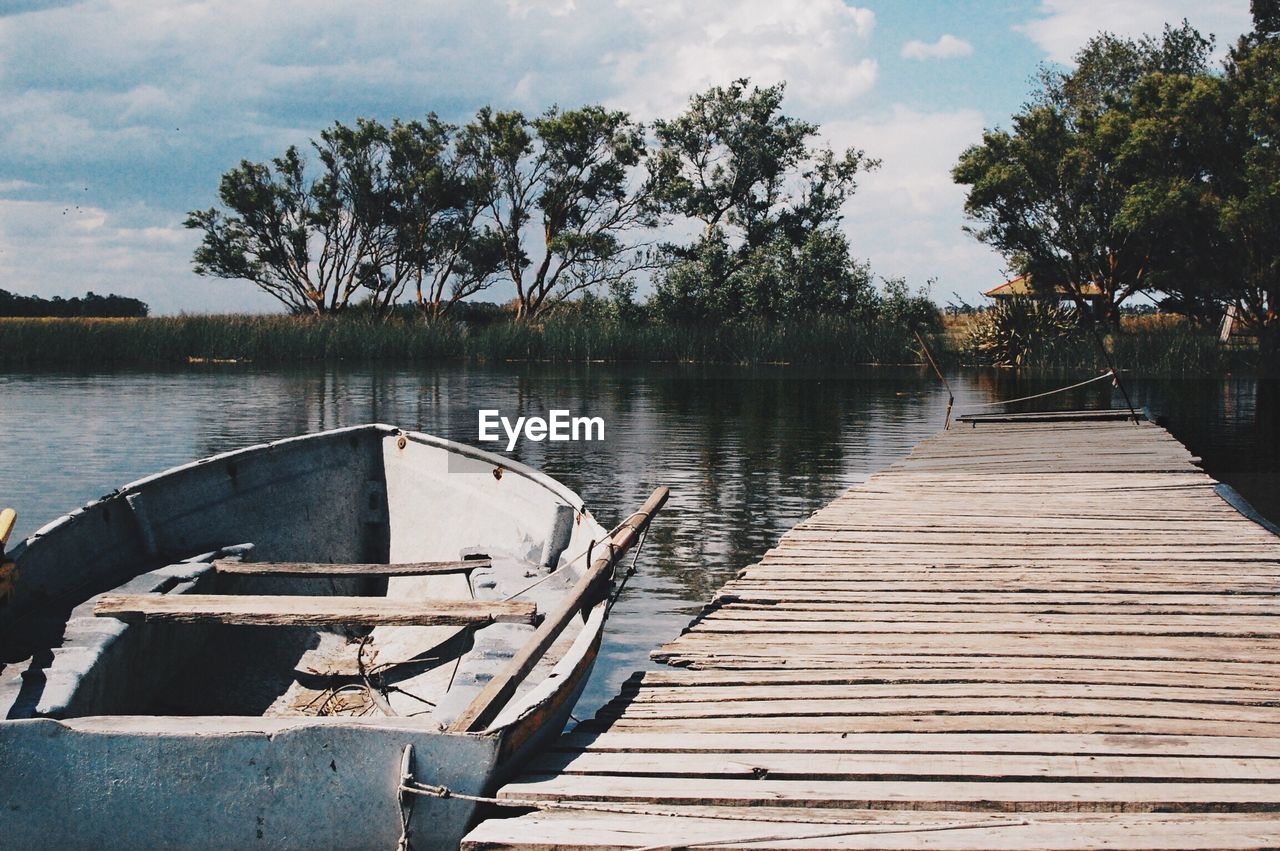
(1046,632)
(751,765)
(717,828)
(1010,796)
(916,744)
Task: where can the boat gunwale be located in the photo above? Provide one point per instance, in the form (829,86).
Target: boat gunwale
(509,465)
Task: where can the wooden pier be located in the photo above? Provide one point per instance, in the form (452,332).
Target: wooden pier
(1029,633)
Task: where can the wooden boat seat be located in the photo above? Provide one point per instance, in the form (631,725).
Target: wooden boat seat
(282,610)
(305,568)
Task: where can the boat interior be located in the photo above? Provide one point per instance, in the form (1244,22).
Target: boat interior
(355,573)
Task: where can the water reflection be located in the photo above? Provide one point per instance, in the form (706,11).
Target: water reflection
(746,452)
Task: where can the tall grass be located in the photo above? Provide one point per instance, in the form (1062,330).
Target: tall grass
(261,339)
(1164,348)
(285,339)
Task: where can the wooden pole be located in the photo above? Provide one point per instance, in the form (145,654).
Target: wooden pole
(585,594)
(951,397)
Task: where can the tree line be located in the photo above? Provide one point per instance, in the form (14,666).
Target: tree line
(1145,169)
(91,304)
(559,204)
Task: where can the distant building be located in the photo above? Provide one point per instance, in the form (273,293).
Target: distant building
(1021,286)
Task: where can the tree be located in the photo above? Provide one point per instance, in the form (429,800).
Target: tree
(438,195)
(1248,188)
(390,205)
(268,236)
(1051,194)
(713,282)
(1266,16)
(1204,154)
(1173,145)
(732,160)
(91,304)
(568,188)
(769,203)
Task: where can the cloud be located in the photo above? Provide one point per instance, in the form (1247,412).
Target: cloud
(1065,25)
(946,47)
(133,110)
(818,46)
(22,7)
(53,249)
(906,218)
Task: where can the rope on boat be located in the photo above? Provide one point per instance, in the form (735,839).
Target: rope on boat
(1108,374)
(409,786)
(586,552)
(630,572)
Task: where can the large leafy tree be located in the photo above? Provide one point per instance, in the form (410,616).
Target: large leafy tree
(1266,16)
(768,200)
(438,195)
(565,195)
(1249,187)
(712,281)
(1051,193)
(1204,153)
(1173,145)
(389,205)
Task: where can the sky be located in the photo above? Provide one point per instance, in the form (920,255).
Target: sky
(117,117)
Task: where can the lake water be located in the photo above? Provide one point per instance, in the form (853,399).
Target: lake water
(747,453)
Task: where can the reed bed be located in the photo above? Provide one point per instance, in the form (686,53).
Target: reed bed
(289,339)
(1146,347)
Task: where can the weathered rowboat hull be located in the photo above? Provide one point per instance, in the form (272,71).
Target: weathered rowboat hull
(88,757)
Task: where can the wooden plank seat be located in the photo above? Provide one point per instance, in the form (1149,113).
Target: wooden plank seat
(281,610)
(307,568)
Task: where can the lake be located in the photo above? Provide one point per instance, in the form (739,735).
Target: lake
(747,453)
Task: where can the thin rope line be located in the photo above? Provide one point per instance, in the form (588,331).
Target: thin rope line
(570,562)
(1107,374)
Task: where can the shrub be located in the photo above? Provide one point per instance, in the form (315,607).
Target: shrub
(1018,331)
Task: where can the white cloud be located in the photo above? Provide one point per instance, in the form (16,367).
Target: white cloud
(677,48)
(907,216)
(1065,25)
(131,109)
(53,249)
(946,47)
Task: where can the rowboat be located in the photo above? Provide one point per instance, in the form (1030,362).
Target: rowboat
(335,640)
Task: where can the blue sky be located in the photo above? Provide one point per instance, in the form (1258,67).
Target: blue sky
(116,118)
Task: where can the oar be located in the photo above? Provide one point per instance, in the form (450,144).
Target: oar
(8,569)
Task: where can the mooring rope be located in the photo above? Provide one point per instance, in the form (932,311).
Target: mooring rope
(1108,374)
